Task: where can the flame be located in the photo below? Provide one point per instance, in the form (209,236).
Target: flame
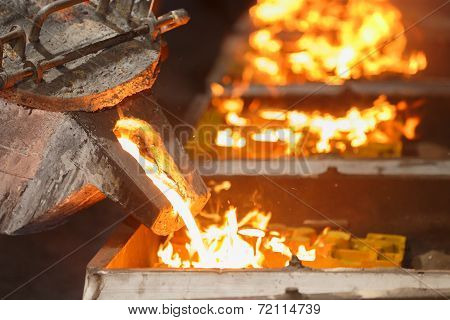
(409,130)
(230,138)
(254,243)
(217,246)
(356,128)
(249,242)
(224,186)
(234,119)
(306,255)
(276,244)
(272,114)
(160,179)
(328,41)
(268,135)
(232,244)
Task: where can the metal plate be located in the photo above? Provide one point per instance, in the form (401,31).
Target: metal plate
(90,83)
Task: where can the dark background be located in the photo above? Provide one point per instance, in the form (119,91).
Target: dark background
(193,50)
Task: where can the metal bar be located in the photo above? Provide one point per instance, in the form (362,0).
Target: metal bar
(43,14)
(17,38)
(172,20)
(9,80)
(314,167)
(93,48)
(390,87)
(163,24)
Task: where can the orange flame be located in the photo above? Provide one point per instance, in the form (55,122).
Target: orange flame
(215,247)
(230,245)
(160,179)
(254,243)
(357,127)
(230,138)
(327,41)
(249,242)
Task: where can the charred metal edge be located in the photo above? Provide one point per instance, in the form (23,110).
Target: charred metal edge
(404,88)
(310,167)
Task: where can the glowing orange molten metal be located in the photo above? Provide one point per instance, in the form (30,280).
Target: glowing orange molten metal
(233,244)
(328,41)
(356,128)
(225,246)
(249,242)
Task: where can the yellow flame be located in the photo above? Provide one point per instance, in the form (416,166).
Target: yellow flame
(409,130)
(328,40)
(217,89)
(233,118)
(266,65)
(276,244)
(224,186)
(306,255)
(267,135)
(232,244)
(233,105)
(230,138)
(217,246)
(272,114)
(167,187)
(248,243)
(357,127)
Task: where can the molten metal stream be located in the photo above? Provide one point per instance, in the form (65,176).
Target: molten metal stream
(233,244)
(167,188)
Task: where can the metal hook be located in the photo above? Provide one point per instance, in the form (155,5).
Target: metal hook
(42,15)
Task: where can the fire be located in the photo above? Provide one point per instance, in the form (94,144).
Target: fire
(356,128)
(254,243)
(306,255)
(249,242)
(234,119)
(409,130)
(224,246)
(124,131)
(232,244)
(230,138)
(327,41)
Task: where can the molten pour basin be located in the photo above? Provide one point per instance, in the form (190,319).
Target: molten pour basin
(123,268)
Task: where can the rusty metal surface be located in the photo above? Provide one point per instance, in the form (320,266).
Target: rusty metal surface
(90,83)
(36,70)
(47,10)
(54,164)
(392,87)
(408,167)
